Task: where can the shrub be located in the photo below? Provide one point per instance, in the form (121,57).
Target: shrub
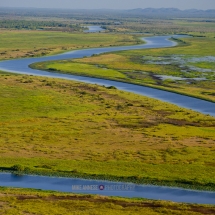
(52,69)
(18,167)
(27,169)
(111,87)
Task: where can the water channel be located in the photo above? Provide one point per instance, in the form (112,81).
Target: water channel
(108,188)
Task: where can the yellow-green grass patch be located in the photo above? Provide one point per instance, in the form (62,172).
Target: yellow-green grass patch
(22,43)
(25,201)
(62,126)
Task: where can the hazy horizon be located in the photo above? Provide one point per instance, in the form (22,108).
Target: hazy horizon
(111,4)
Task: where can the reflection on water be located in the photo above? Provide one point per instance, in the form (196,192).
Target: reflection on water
(17,177)
(187,65)
(93,29)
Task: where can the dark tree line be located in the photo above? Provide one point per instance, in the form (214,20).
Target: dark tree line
(33,25)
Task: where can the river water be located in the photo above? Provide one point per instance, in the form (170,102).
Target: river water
(107,188)
(22,66)
(94,29)
(110,188)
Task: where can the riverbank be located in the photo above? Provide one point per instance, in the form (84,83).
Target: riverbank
(16,44)
(167,69)
(80,130)
(53,67)
(21,66)
(141,140)
(14,201)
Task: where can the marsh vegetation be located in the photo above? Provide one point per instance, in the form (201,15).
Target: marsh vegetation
(16,201)
(188,69)
(24,43)
(64,128)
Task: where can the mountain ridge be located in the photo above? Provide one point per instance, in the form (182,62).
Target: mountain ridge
(172,12)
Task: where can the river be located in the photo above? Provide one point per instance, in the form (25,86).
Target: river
(110,189)
(107,188)
(22,66)
(94,29)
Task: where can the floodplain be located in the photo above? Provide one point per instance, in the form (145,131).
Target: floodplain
(187,69)
(70,129)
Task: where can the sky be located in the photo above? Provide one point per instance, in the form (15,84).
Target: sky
(110,4)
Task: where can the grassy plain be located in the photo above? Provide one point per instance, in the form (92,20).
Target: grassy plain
(59,127)
(63,128)
(131,66)
(32,43)
(153,26)
(24,201)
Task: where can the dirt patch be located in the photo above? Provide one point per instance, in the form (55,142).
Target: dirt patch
(202,210)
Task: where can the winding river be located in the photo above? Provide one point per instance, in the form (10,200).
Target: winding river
(104,187)
(22,66)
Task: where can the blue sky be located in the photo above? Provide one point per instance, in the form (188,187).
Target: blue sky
(110,4)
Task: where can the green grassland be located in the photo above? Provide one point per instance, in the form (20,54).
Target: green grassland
(60,127)
(25,201)
(32,43)
(131,66)
(64,128)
